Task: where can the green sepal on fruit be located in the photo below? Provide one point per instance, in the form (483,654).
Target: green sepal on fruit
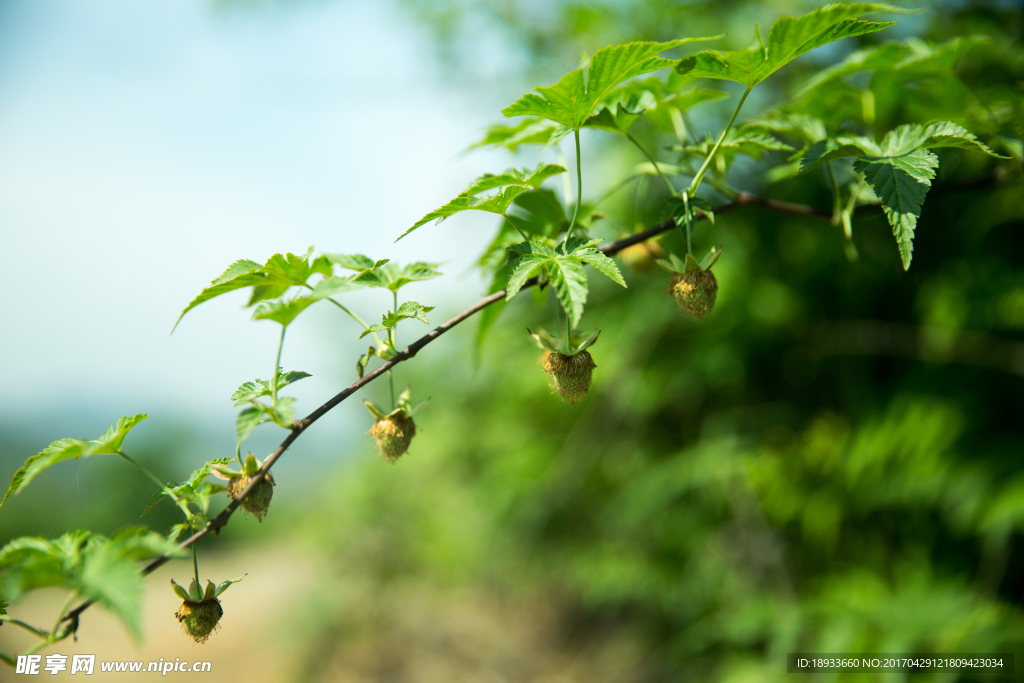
(392,432)
(257,502)
(693,286)
(200,609)
(568,363)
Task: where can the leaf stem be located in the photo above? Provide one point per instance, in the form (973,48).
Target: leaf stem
(195,568)
(512,223)
(837,202)
(393,335)
(181,504)
(618,186)
(357,319)
(568,331)
(695,183)
(28,627)
(688,219)
(277,366)
(63,609)
(671,189)
(579,186)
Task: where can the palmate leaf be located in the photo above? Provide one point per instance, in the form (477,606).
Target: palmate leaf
(753,144)
(885,56)
(897,142)
(271,280)
(281,413)
(563,265)
(570,283)
(193,490)
(905,138)
(509,184)
(71,449)
(789,38)
(573,99)
(901,183)
(651,98)
(357,262)
(804,127)
(285,312)
(98,568)
(282,312)
(258,388)
(912,58)
(531,130)
(394,277)
(899,169)
(408,310)
(836,148)
(112,579)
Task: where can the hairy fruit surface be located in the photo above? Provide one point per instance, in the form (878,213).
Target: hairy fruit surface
(570,375)
(392,435)
(199,619)
(258,500)
(695,293)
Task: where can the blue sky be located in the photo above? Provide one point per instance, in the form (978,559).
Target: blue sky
(144,146)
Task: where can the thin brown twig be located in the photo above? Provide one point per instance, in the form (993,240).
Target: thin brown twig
(610,249)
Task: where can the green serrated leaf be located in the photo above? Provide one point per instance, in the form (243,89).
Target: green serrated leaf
(570,283)
(836,148)
(885,56)
(28,563)
(906,138)
(248,419)
(752,144)
(112,578)
(71,449)
(269,281)
(574,97)
(528,131)
(355,261)
(253,390)
(282,312)
(521,270)
(901,183)
(789,38)
(282,412)
(139,543)
(509,184)
(602,263)
(238,275)
(411,309)
(407,311)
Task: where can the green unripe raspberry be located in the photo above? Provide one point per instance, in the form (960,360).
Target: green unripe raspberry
(392,435)
(199,619)
(695,292)
(258,500)
(570,375)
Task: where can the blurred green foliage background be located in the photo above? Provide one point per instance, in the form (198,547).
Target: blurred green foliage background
(831,462)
